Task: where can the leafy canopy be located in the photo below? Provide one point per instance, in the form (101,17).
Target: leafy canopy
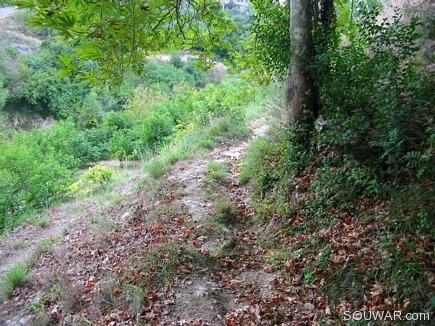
(111,37)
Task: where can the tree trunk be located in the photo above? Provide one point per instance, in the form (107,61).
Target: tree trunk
(299,87)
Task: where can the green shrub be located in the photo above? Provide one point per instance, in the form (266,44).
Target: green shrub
(90,113)
(377,116)
(72,147)
(94,178)
(124,145)
(176,60)
(35,176)
(4,92)
(155,128)
(143,101)
(100,175)
(98,140)
(197,77)
(117,121)
(42,89)
(11,201)
(165,75)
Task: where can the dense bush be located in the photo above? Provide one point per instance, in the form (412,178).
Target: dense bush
(168,75)
(376,131)
(379,120)
(155,128)
(242,18)
(4,92)
(37,167)
(375,138)
(38,86)
(116,120)
(94,123)
(368,167)
(31,176)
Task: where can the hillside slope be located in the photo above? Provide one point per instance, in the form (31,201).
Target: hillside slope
(161,254)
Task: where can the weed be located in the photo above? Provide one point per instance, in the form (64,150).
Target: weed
(213,228)
(17,245)
(323,259)
(168,255)
(42,319)
(195,258)
(45,245)
(134,296)
(16,277)
(275,257)
(346,282)
(235,130)
(218,171)
(403,276)
(42,247)
(71,295)
(261,158)
(206,143)
(156,167)
(108,292)
(102,223)
(157,164)
(163,212)
(42,222)
(38,304)
(309,275)
(215,130)
(162,262)
(10,248)
(226,212)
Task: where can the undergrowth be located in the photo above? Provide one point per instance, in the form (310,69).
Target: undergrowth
(38,169)
(354,198)
(15,277)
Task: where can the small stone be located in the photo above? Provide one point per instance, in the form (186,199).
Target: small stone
(229,244)
(309,306)
(201,292)
(24,320)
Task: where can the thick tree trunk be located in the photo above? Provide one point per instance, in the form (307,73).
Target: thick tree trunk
(299,88)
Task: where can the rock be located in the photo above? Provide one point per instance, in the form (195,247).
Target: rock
(22,48)
(229,244)
(309,306)
(23,321)
(201,292)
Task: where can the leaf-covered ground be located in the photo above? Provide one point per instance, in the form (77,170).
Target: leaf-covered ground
(187,249)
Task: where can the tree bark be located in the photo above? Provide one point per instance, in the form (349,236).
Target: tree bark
(299,85)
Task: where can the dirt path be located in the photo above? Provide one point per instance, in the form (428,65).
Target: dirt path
(93,246)
(6,11)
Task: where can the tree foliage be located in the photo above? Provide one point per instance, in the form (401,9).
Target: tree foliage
(119,35)
(267,51)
